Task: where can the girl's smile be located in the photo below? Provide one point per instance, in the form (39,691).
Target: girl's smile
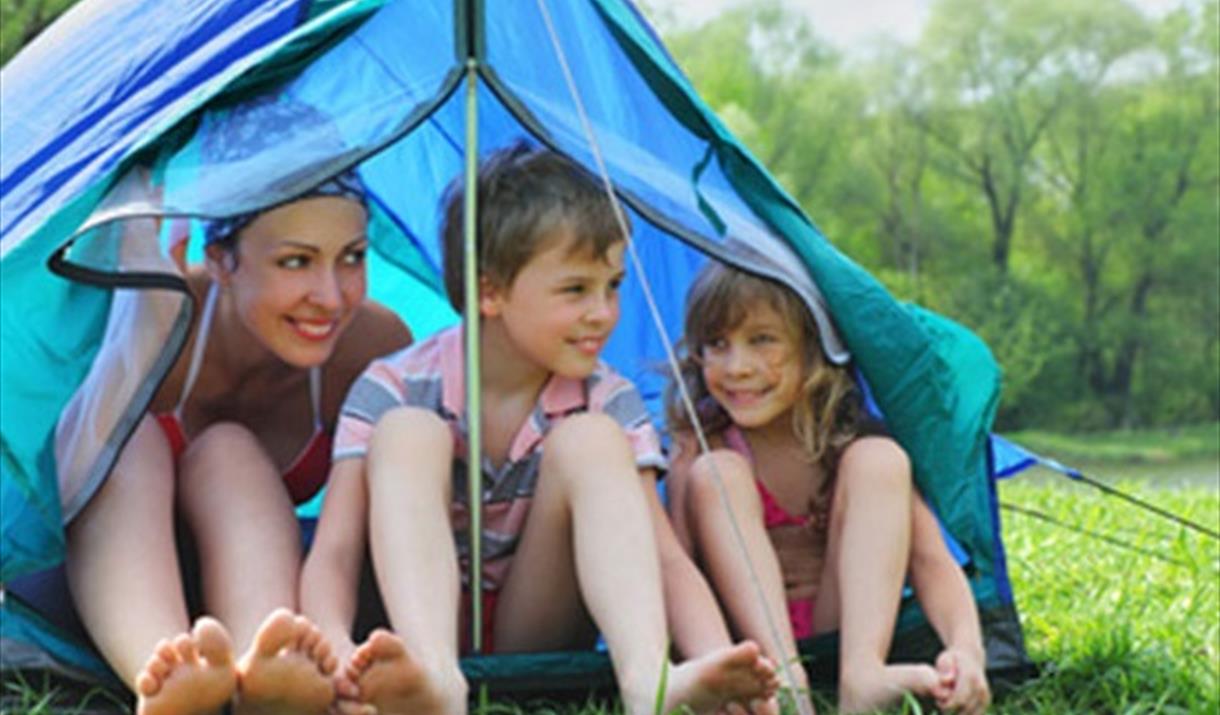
(754,369)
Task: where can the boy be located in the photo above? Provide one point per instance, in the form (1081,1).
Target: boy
(573,535)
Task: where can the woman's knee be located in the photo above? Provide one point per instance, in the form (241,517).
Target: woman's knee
(220,446)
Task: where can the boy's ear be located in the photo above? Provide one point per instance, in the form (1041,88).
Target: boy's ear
(491,297)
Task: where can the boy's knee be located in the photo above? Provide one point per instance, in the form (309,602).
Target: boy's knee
(589,437)
(410,425)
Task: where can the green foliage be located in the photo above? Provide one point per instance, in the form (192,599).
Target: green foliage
(22,20)
(1043,171)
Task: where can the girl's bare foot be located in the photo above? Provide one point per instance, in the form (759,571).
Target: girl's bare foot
(396,684)
(738,674)
(189,675)
(864,690)
(287,669)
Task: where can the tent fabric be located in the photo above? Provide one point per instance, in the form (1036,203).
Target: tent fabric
(173,131)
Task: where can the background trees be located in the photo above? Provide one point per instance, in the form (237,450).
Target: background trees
(1044,171)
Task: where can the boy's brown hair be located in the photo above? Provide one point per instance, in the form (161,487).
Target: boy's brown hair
(525,194)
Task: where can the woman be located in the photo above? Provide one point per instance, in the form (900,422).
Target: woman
(236,434)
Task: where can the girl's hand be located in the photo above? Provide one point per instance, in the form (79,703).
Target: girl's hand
(963,682)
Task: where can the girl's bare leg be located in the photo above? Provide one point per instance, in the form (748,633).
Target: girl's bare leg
(729,562)
(866,561)
(589,534)
(123,571)
(242,518)
(409,472)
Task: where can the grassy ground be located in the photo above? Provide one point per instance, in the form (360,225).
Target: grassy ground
(1127,447)
(1131,628)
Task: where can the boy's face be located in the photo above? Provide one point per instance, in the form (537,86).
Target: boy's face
(559,310)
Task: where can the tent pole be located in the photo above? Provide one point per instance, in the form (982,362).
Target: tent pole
(470,321)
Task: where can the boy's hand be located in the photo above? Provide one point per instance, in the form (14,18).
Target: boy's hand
(963,683)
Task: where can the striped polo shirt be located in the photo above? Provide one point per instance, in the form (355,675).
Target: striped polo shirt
(431,375)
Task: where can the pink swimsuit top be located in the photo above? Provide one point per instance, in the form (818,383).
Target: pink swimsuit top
(308,472)
(800,610)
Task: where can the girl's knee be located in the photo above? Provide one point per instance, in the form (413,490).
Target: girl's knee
(870,467)
(721,471)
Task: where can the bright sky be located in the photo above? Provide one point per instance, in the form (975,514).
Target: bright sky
(853,23)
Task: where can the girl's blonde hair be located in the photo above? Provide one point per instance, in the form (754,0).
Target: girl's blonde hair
(824,420)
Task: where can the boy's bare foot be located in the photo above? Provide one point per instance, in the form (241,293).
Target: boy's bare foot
(287,669)
(189,675)
(863,690)
(738,674)
(396,684)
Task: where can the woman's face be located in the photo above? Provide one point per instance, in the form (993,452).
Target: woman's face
(299,276)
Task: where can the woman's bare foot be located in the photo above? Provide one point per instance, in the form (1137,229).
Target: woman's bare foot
(864,690)
(189,675)
(738,674)
(287,669)
(396,684)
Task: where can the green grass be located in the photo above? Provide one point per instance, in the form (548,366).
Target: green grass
(1116,631)
(1150,446)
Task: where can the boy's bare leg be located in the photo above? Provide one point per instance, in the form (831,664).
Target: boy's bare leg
(589,534)
(763,621)
(409,472)
(866,561)
(242,518)
(122,566)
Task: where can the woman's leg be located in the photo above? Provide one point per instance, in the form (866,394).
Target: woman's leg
(244,527)
(866,561)
(409,472)
(589,536)
(123,572)
(728,561)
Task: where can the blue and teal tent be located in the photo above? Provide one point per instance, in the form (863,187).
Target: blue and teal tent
(128,118)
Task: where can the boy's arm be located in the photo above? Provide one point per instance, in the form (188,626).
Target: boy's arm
(943,593)
(330,578)
(696,624)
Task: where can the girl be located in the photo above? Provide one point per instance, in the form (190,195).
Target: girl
(237,433)
(824,501)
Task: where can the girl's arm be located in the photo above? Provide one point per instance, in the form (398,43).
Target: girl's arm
(943,593)
(330,578)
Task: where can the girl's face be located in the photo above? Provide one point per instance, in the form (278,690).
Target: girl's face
(299,276)
(754,369)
